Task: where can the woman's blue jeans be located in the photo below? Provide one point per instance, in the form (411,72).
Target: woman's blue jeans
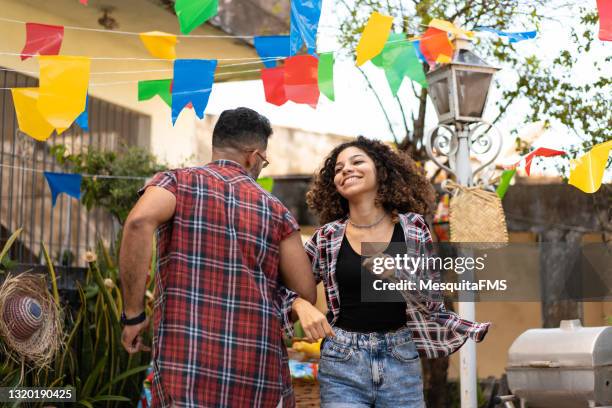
(380,370)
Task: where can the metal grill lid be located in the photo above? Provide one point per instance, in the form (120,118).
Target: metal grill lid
(571,345)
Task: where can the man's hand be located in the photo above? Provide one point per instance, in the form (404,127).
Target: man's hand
(131,338)
(313,322)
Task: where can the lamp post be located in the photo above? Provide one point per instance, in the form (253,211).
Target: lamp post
(459,92)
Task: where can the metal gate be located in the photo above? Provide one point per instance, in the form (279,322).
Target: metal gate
(68,229)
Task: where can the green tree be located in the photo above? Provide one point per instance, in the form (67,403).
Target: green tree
(129,167)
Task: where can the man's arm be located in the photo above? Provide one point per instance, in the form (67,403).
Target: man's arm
(296,269)
(154,208)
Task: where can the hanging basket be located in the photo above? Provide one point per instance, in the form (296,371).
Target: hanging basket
(476,215)
(30,320)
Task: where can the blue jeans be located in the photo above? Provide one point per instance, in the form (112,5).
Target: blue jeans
(370,370)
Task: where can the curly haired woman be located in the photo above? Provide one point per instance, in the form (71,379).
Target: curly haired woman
(370,356)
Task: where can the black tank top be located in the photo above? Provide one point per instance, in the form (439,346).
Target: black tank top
(359,316)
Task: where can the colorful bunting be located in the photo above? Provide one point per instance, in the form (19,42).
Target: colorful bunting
(160,44)
(63,89)
(587,171)
(433,43)
(192,13)
(193,81)
(512,37)
(272,46)
(326,74)
(274,85)
(83,119)
(450,28)
(504,183)
(399,59)
(30,121)
(161,87)
(417,48)
(267,183)
(301,82)
(604,7)
(305,16)
(374,37)
(42,39)
(539,152)
(64,183)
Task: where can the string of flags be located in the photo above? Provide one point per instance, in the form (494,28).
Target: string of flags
(61,98)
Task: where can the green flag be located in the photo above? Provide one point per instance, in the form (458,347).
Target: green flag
(414,67)
(161,87)
(192,13)
(504,183)
(326,74)
(267,183)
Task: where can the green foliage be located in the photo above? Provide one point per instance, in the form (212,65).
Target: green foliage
(92,361)
(550,90)
(116,195)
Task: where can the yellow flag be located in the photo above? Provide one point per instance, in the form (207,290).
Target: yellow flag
(443,59)
(30,121)
(160,44)
(63,89)
(450,28)
(587,172)
(374,37)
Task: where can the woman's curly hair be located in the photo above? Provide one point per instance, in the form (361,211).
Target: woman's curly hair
(402,185)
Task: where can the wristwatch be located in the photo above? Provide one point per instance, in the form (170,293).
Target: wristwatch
(134,320)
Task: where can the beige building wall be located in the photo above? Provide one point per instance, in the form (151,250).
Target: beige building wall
(171,144)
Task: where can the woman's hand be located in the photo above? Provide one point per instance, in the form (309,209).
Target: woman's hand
(313,322)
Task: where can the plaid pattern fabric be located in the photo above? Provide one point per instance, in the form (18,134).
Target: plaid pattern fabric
(217,332)
(436,331)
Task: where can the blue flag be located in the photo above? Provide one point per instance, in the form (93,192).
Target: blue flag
(417,48)
(64,183)
(193,81)
(83,119)
(513,37)
(271,46)
(305,16)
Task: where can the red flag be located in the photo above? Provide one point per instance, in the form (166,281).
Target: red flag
(274,85)
(434,43)
(302,79)
(83,2)
(541,152)
(605,19)
(42,39)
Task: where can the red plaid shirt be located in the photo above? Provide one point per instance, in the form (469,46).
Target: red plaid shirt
(436,331)
(217,332)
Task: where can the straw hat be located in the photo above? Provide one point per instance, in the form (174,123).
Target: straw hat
(30,320)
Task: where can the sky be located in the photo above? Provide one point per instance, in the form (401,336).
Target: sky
(356,110)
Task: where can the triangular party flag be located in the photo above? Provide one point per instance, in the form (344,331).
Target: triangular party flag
(513,37)
(504,183)
(193,81)
(587,171)
(539,152)
(42,39)
(161,87)
(450,28)
(160,44)
(604,7)
(267,183)
(374,37)
(274,85)
(304,20)
(63,89)
(83,119)
(64,183)
(435,42)
(399,59)
(192,13)
(301,82)
(271,48)
(30,121)
(326,74)
(417,48)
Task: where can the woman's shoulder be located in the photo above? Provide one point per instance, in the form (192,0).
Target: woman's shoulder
(415,219)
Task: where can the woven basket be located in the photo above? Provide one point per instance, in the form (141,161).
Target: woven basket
(476,215)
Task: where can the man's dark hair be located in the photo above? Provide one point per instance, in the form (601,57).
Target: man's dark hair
(241,127)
